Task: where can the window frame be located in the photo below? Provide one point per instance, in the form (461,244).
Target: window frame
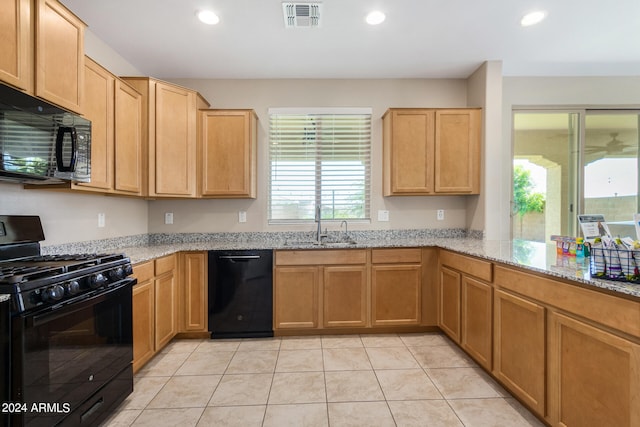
(307,111)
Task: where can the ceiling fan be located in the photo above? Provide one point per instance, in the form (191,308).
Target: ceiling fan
(615,146)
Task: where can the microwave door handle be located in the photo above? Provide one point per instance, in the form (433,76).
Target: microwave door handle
(62,130)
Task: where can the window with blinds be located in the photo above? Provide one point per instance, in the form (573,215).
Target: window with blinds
(319,157)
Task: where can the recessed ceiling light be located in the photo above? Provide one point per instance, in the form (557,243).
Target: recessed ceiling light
(533,18)
(208,17)
(376,17)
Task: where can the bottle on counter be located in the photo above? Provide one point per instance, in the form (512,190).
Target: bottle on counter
(579,247)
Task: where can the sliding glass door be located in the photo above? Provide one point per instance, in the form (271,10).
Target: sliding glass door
(571,162)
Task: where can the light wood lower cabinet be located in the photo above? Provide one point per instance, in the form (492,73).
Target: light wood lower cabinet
(465,304)
(143,306)
(318,289)
(155,307)
(396,286)
(193,292)
(449,303)
(166,298)
(476,322)
(345,296)
(296,297)
(519,348)
(594,375)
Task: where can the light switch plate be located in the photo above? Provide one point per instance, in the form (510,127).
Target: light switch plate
(242,216)
(101,220)
(168,218)
(383,216)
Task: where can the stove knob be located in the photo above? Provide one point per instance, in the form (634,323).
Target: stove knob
(53,293)
(72,287)
(128,270)
(117,274)
(97,280)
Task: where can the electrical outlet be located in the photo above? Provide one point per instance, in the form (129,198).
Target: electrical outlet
(101,220)
(440,215)
(168,218)
(242,216)
(383,216)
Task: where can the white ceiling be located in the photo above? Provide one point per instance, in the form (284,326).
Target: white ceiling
(419,39)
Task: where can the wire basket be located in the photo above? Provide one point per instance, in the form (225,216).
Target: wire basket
(615,264)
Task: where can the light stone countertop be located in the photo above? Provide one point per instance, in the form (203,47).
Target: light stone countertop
(534,256)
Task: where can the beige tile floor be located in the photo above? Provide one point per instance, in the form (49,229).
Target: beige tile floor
(351,380)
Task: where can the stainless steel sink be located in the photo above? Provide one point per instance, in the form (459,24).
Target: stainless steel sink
(325,243)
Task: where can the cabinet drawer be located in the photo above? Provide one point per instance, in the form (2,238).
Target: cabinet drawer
(165,264)
(468,265)
(396,255)
(321,257)
(143,271)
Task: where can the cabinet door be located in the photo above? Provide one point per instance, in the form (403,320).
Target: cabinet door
(396,294)
(345,296)
(172,157)
(477,320)
(296,297)
(519,348)
(98,107)
(165,309)
(449,303)
(193,267)
(594,376)
(143,323)
(408,152)
(128,155)
(16,44)
(229,142)
(59,55)
(457,151)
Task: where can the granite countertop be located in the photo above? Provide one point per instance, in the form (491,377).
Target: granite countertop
(534,256)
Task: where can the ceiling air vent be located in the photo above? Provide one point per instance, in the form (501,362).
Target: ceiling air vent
(301,15)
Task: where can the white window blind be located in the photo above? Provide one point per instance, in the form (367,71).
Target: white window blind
(320,156)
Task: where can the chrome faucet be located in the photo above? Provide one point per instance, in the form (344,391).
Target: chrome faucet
(319,234)
(346,228)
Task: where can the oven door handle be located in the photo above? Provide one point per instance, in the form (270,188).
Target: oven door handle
(71,306)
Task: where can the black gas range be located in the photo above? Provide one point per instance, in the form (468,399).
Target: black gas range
(67,339)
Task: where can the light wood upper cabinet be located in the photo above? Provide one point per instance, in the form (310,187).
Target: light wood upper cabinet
(42,51)
(128,145)
(59,59)
(229,146)
(431,151)
(457,151)
(408,141)
(16,48)
(99,109)
(169,123)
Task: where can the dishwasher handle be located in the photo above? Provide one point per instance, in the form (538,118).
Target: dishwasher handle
(239,258)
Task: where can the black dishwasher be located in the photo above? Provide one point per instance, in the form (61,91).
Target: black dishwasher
(241,293)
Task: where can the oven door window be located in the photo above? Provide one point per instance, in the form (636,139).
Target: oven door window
(71,352)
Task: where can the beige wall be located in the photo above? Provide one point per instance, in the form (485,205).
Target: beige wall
(72,217)
(260,95)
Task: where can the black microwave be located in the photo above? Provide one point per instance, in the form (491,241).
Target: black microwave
(41,143)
